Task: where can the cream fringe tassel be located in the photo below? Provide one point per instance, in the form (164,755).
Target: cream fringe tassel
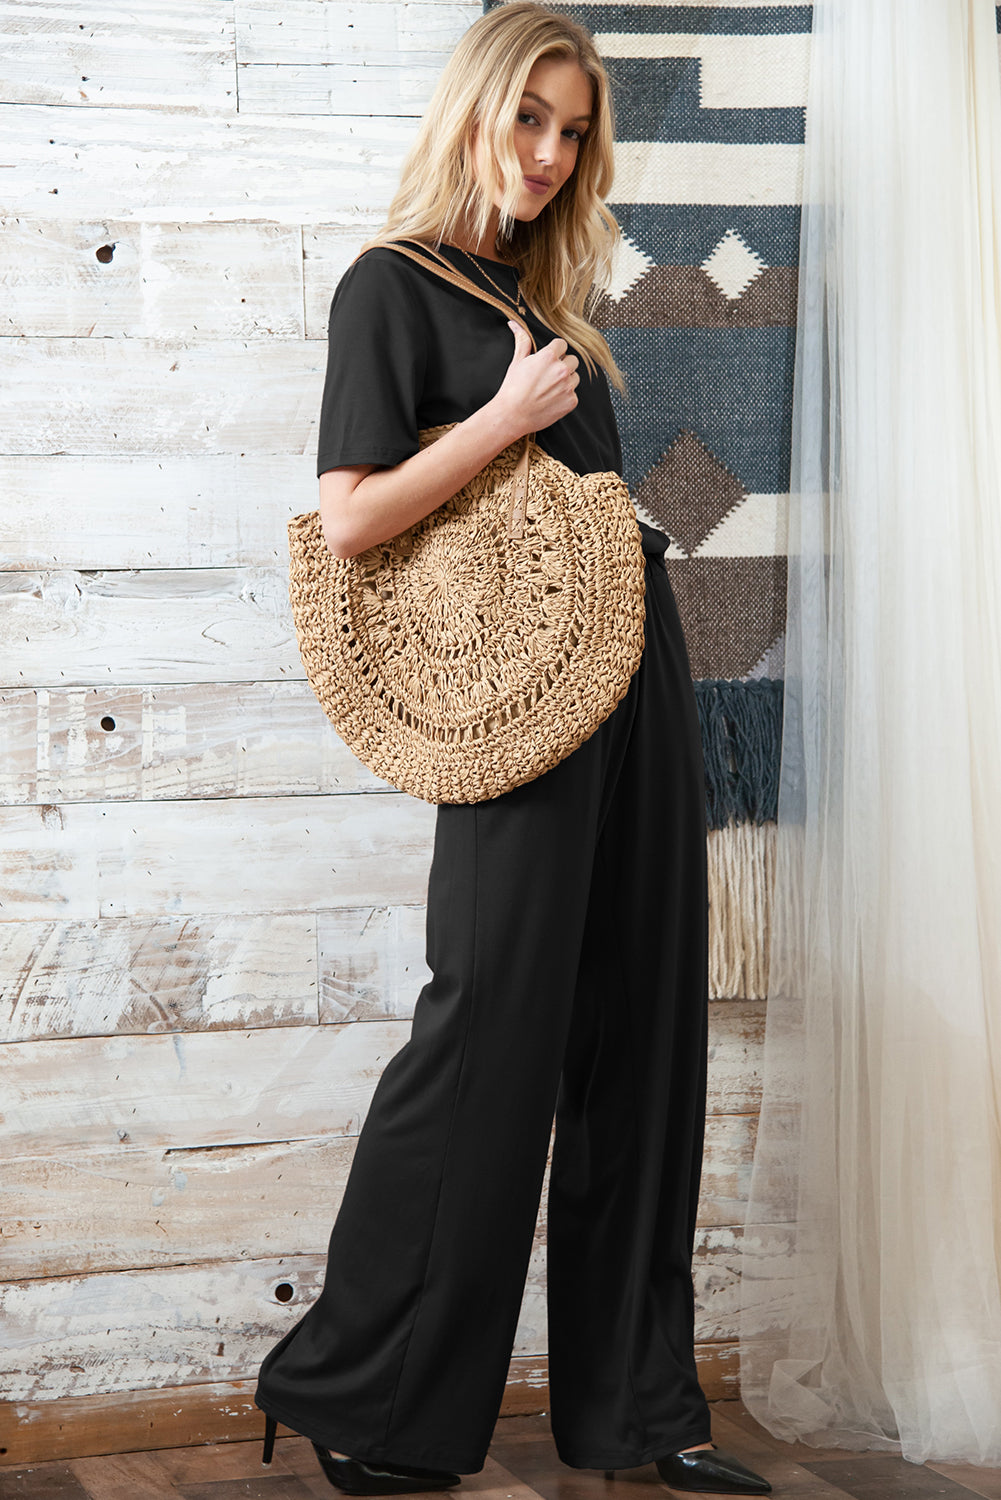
(741,874)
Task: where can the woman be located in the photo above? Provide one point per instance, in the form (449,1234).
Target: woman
(566,919)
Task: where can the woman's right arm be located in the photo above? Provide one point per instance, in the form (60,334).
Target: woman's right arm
(363,504)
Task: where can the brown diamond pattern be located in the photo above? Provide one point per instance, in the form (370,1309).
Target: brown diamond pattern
(689,492)
(732,609)
(685,297)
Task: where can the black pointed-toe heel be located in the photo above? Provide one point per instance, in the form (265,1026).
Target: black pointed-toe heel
(355,1477)
(710,1471)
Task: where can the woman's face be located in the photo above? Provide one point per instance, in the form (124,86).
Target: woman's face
(553,116)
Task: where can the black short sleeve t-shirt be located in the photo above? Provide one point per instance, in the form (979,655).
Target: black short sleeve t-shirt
(406,350)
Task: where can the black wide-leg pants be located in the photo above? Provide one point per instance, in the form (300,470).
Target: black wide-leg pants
(567,939)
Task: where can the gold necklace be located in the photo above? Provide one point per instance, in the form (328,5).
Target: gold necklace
(504,294)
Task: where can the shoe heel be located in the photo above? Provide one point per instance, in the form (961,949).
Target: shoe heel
(270,1428)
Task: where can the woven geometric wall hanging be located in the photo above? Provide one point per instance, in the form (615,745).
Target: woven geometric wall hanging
(709,126)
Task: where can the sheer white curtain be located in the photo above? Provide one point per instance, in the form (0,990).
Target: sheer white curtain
(871,1314)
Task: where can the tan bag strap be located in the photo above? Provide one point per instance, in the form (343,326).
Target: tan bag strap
(437,263)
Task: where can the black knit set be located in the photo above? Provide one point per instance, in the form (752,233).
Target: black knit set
(567,941)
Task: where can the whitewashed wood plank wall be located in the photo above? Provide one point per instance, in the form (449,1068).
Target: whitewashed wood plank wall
(211,916)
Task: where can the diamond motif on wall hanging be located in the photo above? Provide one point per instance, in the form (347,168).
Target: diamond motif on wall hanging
(689,492)
(732,610)
(629,263)
(733,265)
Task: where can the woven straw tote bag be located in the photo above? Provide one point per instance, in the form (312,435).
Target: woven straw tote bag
(482,645)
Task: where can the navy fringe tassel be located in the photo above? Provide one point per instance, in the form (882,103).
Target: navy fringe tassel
(742,745)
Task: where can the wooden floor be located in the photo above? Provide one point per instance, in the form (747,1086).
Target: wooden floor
(522,1466)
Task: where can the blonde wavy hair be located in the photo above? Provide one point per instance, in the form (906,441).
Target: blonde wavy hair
(564,256)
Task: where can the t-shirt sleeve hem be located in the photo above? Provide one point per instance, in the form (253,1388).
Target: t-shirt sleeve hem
(335,458)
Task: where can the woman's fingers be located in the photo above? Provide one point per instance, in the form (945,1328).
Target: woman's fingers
(522,342)
(541,390)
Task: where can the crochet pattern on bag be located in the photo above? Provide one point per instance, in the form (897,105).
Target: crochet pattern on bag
(457,661)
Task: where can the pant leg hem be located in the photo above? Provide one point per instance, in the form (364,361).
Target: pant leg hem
(342,1442)
(662,1447)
